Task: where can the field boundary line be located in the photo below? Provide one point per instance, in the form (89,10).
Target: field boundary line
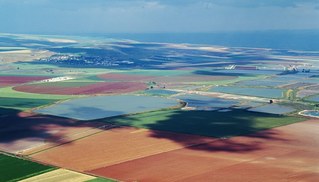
(63,143)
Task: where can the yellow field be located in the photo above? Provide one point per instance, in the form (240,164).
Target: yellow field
(61,175)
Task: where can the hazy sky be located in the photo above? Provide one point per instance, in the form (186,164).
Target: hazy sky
(111,16)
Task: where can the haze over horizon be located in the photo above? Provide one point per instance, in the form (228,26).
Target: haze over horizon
(156,16)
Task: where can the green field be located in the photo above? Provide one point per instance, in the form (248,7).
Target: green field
(66,84)
(15,169)
(156,72)
(206,123)
(10,93)
(24,103)
(101,180)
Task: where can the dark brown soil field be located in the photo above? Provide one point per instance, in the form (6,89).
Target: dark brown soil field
(97,88)
(288,153)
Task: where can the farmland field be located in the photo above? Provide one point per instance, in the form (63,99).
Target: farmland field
(258,92)
(85,89)
(314,98)
(107,106)
(24,103)
(97,107)
(14,169)
(60,175)
(206,102)
(14,80)
(312,113)
(8,92)
(206,123)
(158,92)
(125,77)
(270,155)
(261,83)
(103,148)
(273,109)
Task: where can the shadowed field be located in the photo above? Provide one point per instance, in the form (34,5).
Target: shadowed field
(206,123)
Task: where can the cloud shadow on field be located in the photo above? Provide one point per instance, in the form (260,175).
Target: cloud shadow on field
(214,73)
(219,125)
(19,129)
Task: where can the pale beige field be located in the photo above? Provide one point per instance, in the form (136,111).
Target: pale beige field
(61,175)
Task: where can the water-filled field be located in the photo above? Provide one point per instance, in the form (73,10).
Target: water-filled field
(273,109)
(314,98)
(311,113)
(257,92)
(259,83)
(199,101)
(249,104)
(107,106)
(247,72)
(295,80)
(159,92)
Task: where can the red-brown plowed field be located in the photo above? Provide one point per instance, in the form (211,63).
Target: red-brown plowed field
(288,153)
(125,77)
(114,146)
(14,80)
(97,88)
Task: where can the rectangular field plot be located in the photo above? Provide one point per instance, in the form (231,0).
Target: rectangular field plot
(306,93)
(60,175)
(313,98)
(273,109)
(25,132)
(206,123)
(259,83)
(14,80)
(107,106)
(24,103)
(246,72)
(115,146)
(199,101)
(256,92)
(158,92)
(14,169)
(281,154)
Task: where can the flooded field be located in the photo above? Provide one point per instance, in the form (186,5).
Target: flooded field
(261,83)
(201,102)
(311,113)
(314,98)
(158,92)
(106,106)
(273,109)
(257,92)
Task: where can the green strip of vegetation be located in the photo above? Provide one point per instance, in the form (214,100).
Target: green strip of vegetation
(10,93)
(22,103)
(101,180)
(15,169)
(66,84)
